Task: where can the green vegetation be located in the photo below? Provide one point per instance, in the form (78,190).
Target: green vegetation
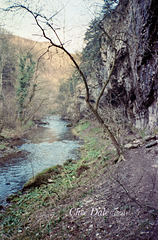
(69,86)
(26,72)
(83,125)
(91,53)
(2,147)
(36,212)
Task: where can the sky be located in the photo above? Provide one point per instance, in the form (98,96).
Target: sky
(71,21)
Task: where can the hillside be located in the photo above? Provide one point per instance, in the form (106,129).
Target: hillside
(54,67)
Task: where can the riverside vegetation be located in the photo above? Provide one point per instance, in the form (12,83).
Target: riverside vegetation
(83,198)
(42,194)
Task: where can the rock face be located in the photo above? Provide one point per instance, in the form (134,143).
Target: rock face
(134,82)
(130,31)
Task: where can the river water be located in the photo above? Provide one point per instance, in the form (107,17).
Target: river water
(43,147)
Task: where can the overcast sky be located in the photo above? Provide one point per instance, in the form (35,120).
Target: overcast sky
(72,20)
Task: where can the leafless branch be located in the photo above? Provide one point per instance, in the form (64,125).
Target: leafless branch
(37,17)
(27,119)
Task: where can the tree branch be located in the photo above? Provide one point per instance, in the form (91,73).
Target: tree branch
(60,46)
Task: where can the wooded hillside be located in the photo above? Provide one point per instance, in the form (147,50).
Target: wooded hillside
(50,69)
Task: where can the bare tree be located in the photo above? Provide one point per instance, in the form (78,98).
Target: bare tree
(6,62)
(44,23)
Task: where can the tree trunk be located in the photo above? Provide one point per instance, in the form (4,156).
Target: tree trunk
(105,128)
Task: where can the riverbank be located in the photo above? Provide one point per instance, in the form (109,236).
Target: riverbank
(91,198)
(10,138)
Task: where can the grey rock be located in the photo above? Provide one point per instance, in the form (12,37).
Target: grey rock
(137,141)
(131,145)
(156,151)
(148,138)
(151,144)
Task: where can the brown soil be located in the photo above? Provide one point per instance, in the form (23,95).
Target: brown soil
(122,205)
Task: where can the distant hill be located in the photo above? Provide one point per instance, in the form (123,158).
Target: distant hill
(53,67)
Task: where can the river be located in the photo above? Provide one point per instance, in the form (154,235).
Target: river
(42,148)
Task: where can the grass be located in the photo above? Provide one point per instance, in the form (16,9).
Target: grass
(48,196)
(3,147)
(28,125)
(81,126)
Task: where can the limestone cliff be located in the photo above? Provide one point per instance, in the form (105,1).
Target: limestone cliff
(134,82)
(130,30)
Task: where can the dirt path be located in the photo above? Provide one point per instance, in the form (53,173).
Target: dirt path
(124,202)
